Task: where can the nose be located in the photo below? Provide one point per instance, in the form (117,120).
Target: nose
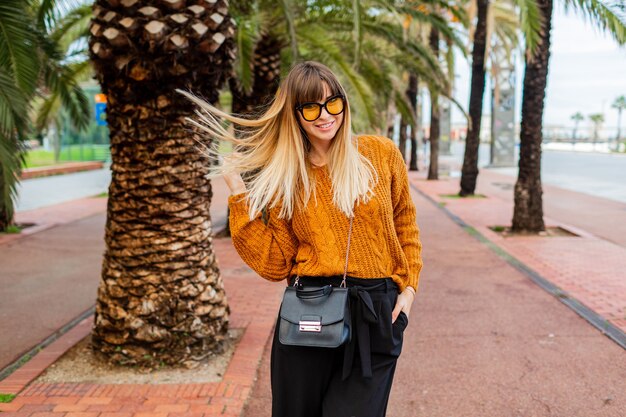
(322,113)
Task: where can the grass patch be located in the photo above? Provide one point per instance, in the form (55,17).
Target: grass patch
(92,152)
(467,196)
(104,194)
(6,398)
(39,158)
(13,229)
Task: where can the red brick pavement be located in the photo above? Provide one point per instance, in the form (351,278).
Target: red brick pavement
(590,269)
(254,304)
(46,217)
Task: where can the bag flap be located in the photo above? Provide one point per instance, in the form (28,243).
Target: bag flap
(331,308)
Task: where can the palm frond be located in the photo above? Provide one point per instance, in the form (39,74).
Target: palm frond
(603,16)
(531,22)
(358,32)
(13,106)
(63,86)
(291,26)
(71,27)
(18,41)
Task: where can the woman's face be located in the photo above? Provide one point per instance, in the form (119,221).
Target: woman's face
(326,126)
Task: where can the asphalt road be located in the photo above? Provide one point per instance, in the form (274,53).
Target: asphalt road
(597,174)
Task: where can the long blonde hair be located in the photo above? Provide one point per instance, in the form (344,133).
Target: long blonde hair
(273,148)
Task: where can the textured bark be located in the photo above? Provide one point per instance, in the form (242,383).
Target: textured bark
(528,211)
(411,93)
(6,217)
(161,297)
(16,155)
(402,138)
(469,172)
(433,138)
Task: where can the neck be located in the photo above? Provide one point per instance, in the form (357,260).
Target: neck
(318,154)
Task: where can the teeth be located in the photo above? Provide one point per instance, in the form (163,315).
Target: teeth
(326,125)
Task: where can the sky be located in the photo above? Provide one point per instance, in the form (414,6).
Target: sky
(587,71)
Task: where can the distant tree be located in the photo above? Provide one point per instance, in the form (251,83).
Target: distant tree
(577,118)
(597,119)
(619,104)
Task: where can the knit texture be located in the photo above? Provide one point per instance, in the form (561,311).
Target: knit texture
(385,236)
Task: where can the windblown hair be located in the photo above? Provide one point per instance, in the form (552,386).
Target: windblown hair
(273,148)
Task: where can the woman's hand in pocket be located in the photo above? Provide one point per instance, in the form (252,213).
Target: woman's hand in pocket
(403,303)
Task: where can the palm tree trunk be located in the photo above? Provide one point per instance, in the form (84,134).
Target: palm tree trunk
(472,141)
(411,94)
(528,211)
(6,207)
(433,167)
(161,296)
(266,73)
(402,139)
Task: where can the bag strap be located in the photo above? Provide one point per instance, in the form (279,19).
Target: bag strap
(345,269)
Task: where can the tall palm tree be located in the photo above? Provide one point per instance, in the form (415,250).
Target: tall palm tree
(495,24)
(31,67)
(577,118)
(477,91)
(161,295)
(619,104)
(528,210)
(433,136)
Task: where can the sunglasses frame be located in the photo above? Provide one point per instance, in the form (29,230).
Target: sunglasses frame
(322,106)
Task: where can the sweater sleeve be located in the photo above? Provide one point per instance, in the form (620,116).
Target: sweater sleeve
(404,218)
(270,250)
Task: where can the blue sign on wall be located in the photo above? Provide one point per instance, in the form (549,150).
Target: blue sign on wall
(101,114)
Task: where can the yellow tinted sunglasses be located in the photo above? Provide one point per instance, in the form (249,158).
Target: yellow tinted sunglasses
(311,111)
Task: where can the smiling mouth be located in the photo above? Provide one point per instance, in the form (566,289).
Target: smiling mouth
(325,126)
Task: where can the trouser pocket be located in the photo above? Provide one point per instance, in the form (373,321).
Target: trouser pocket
(386,337)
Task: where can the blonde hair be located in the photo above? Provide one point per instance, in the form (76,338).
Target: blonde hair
(273,148)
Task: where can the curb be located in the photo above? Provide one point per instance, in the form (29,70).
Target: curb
(45,171)
(16,376)
(599,322)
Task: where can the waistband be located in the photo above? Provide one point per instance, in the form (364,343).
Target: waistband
(369,284)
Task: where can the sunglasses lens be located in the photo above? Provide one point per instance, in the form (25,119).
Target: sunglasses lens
(335,106)
(311,112)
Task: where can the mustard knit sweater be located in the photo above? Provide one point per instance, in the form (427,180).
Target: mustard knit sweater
(385,236)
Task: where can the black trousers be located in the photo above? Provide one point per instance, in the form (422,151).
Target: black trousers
(353,380)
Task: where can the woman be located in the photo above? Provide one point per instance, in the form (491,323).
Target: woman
(302,146)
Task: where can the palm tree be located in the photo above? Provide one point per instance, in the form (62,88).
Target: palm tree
(495,24)
(619,104)
(596,119)
(161,296)
(528,211)
(470,159)
(433,136)
(31,67)
(577,118)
